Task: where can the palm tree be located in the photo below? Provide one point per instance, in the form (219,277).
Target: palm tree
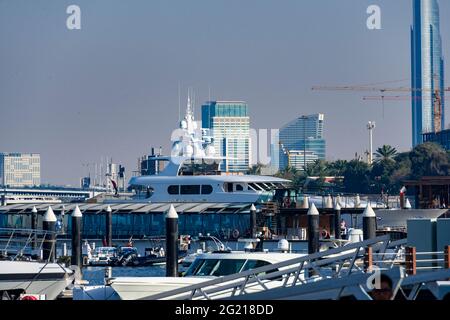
(338,167)
(255,169)
(385,153)
(317,168)
(288,173)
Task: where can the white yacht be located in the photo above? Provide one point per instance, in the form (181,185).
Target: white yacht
(40,280)
(206,266)
(191,181)
(23,273)
(193,174)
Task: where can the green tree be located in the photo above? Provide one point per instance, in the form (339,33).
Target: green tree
(357,177)
(337,167)
(429,159)
(255,169)
(385,153)
(318,168)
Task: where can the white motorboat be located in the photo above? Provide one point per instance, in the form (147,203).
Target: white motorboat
(103,256)
(43,279)
(23,272)
(398,218)
(206,266)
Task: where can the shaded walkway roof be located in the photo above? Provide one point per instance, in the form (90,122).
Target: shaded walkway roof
(131,207)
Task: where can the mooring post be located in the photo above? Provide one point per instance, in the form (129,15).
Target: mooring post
(172,242)
(357,201)
(338,200)
(328,202)
(109,226)
(49,245)
(369,223)
(34,226)
(447,257)
(313,229)
(253,221)
(77,223)
(337,221)
(368,259)
(411,260)
(305,203)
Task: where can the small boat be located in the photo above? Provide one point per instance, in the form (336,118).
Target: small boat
(40,280)
(23,273)
(103,256)
(129,257)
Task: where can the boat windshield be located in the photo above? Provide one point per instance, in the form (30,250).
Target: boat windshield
(221,267)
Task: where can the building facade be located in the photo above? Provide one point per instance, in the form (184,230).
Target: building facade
(20,169)
(427,70)
(228,124)
(301,142)
(442,138)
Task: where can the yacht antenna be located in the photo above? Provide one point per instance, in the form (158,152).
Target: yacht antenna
(193,102)
(179,103)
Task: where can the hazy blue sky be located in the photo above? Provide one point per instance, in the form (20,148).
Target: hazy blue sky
(111,88)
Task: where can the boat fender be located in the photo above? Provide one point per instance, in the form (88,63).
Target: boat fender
(235,234)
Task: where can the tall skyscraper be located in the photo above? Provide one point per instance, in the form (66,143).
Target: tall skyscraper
(427,70)
(228,124)
(20,169)
(301,142)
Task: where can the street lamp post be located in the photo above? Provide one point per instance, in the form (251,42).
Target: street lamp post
(370,127)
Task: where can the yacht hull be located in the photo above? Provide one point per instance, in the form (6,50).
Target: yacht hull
(398,218)
(34,278)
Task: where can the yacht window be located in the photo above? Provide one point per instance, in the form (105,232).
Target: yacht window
(239,187)
(227,267)
(194,267)
(207,189)
(190,189)
(255,187)
(206,268)
(252,264)
(228,187)
(149,192)
(173,189)
(267,185)
(251,186)
(263,186)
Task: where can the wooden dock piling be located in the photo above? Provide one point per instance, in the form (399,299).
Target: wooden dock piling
(411,260)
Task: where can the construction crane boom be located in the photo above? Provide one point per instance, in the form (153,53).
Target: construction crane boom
(436,96)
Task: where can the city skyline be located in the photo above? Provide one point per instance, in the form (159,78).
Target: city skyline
(111,88)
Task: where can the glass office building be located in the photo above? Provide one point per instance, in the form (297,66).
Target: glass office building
(427,69)
(228,124)
(302,141)
(20,169)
